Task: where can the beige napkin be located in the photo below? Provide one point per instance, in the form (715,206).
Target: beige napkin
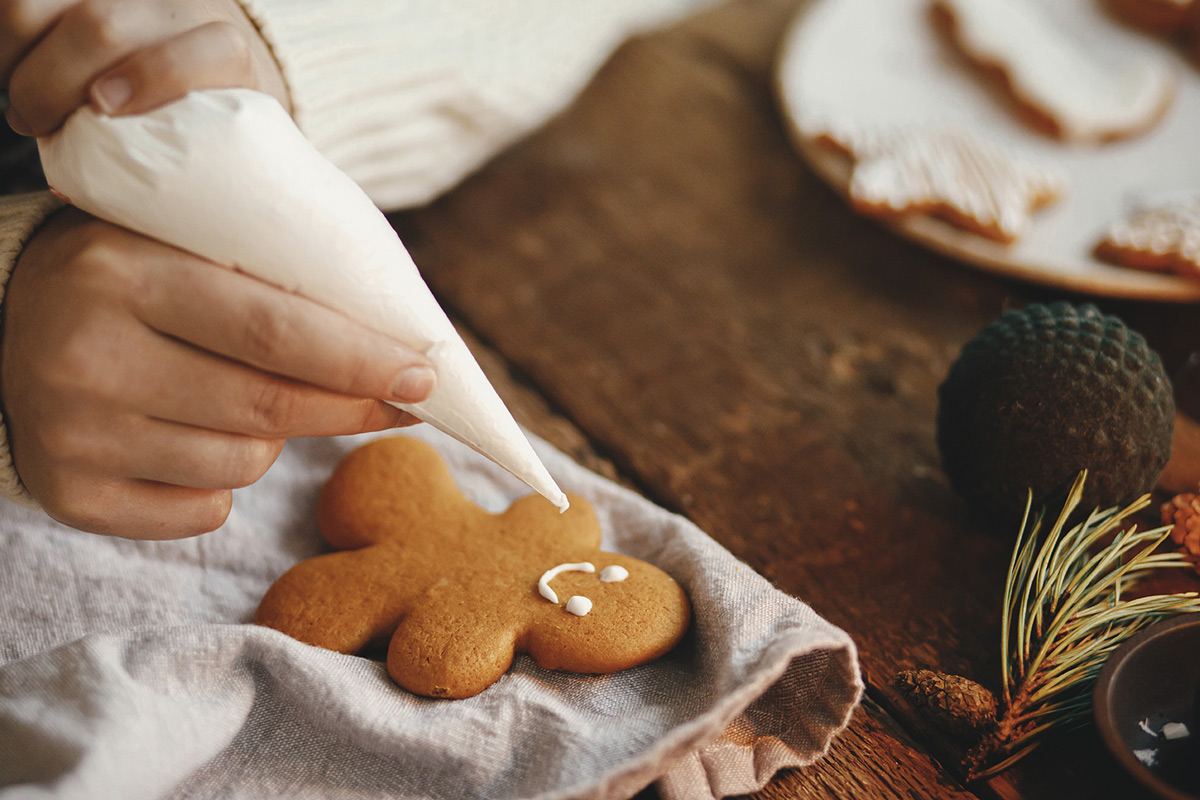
(130,670)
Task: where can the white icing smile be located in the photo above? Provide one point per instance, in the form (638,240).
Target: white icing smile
(544,582)
(578,604)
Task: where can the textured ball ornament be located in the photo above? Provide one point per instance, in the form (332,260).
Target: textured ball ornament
(1047,391)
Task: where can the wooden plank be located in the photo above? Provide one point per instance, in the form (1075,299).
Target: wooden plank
(874,758)
(660,265)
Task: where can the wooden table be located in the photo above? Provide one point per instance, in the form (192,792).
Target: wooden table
(658,285)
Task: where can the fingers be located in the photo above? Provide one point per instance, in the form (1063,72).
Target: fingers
(133,509)
(212,56)
(207,391)
(52,79)
(142,384)
(244,319)
(22,24)
(182,455)
(52,53)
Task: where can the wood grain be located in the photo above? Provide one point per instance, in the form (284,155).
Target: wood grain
(874,758)
(660,268)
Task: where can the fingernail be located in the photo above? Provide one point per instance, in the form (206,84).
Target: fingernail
(18,123)
(110,93)
(413,384)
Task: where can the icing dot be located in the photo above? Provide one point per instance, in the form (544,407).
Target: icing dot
(613,573)
(579,605)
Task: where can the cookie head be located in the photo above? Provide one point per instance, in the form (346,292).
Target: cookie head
(458,591)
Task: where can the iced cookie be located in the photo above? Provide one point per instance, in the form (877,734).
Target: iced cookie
(460,591)
(945,172)
(1162,238)
(1060,85)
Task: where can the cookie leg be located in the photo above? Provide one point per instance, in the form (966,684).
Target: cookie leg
(446,650)
(340,601)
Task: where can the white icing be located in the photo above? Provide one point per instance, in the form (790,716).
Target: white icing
(1175,730)
(613,573)
(898,170)
(1148,756)
(1089,97)
(544,582)
(227,175)
(579,605)
(1172,230)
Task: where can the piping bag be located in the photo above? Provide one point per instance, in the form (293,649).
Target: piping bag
(226,174)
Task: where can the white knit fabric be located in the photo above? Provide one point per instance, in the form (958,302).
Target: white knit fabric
(410,96)
(20,215)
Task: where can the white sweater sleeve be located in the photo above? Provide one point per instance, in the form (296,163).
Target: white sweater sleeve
(410,96)
(20,215)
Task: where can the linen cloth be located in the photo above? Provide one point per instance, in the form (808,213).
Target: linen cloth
(131,669)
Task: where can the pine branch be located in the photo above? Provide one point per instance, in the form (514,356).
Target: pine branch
(1064,613)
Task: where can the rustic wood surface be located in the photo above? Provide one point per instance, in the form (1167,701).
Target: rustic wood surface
(661,288)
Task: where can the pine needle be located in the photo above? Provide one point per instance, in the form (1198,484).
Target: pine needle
(1065,611)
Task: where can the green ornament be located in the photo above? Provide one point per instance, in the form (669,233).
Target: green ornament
(1045,392)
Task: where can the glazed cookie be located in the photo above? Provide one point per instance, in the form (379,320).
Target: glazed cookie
(1059,84)
(945,172)
(459,591)
(1160,238)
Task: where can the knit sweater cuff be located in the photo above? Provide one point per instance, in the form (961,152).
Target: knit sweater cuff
(20,215)
(410,96)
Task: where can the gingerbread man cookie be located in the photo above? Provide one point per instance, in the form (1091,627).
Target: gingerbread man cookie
(945,172)
(460,591)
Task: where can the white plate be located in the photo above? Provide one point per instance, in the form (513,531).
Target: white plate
(880,62)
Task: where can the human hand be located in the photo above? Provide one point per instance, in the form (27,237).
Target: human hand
(141,383)
(125,56)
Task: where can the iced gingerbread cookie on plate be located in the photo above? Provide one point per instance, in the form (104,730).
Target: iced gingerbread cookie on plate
(460,591)
(1060,85)
(944,172)
(1163,237)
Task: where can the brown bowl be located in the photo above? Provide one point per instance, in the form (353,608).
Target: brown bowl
(1151,680)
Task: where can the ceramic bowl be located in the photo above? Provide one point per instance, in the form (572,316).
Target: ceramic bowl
(1149,687)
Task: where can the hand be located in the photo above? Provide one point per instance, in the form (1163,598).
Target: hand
(125,56)
(141,384)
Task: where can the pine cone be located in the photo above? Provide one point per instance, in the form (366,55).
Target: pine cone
(1045,392)
(961,706)
(1182,513)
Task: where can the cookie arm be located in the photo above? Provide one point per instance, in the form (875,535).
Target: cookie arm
(340,601)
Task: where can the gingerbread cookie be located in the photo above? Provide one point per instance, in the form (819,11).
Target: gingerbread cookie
(945,172)
(459,591)
(1161,238)
(1058,84)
